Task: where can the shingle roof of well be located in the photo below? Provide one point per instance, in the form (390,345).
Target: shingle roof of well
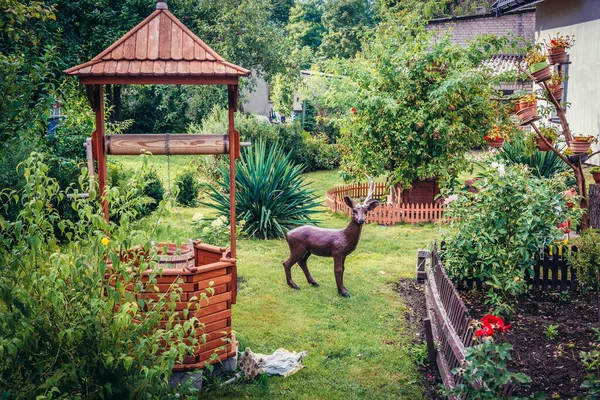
(159,46)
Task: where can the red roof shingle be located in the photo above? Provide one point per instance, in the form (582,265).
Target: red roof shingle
(160,46)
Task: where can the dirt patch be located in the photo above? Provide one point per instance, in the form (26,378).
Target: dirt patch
(414,296)
(552,361)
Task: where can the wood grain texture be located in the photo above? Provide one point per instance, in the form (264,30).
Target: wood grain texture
(133,144)
(164,49)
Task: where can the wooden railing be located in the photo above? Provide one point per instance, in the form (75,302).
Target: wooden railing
(385,214)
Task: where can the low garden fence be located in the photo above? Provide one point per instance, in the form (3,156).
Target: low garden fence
(385,214)
(448,326)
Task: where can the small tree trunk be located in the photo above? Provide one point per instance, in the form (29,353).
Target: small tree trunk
(594,206)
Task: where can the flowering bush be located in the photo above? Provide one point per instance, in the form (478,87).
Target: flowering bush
(496,231)
(215,232)
(535,57)
(484,371)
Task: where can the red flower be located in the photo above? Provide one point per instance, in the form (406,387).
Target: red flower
(487,137)
(491,322)
(353,110)
(504,328)
(485,331)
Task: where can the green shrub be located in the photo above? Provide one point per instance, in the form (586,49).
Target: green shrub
(496,234)
(587,259)
(188,187)
(153,191)
(272,196)
(64,331)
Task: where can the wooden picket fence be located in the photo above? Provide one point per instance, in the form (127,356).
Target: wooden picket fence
(385,214)
(448,326)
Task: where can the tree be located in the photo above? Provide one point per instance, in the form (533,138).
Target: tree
(410,105)
(346,22)
(305,27)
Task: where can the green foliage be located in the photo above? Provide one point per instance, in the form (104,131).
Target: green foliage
(313,152)
(64,330)
(271,194)
(485,373)
(591,362)
(347,23)
(587,259)
(419,354)
(421,103)
(551,331)
(497,233)
(153,192)
(543,164)
(215,232)
(189,187)
(305,27)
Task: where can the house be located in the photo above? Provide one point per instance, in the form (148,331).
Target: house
(518,23)
(580,18)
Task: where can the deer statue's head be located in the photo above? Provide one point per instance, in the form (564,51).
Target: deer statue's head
(360,210)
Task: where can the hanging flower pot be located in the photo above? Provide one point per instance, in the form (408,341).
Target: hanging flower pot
(495,143)
(540,71)
(557,55)
(580,146)
(542,146)
(527,113)
(557,91)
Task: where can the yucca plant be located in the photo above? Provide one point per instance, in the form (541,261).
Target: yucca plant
(542,164)
(271,194)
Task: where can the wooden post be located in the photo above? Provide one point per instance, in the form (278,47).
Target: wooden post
(98,144)
(233,152)
(594,206)
(430,341)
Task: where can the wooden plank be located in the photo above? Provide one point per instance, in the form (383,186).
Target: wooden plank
(156,80)
(574,282)
(555,262)
(176,42)
(546,268)
(141,44)
(564,272)
(153,38)
(129,49)
(536,275)
(164,43)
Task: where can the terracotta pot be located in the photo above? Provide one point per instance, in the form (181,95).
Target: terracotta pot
(557,90)
(557,55)
(527,113)
(494,144)
(517,107)
(579,147)
(543,146)
(596,177)
(540,71)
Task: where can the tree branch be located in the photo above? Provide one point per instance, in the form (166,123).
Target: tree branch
(551,146)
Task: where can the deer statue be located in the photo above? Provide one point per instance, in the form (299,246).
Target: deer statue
(337,243)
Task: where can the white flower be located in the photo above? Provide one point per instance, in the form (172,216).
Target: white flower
(450,198)
(198,217)
(501,170)
(217,223)
(495,165)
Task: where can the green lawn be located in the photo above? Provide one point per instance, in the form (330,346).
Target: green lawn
(358,348)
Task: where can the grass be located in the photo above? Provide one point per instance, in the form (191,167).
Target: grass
(357,347)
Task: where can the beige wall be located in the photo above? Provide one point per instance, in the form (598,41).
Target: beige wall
(582,19)
(257,100)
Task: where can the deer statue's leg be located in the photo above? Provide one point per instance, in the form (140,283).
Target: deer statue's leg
(344,270)
(287,266)
(338,269)
(304,266)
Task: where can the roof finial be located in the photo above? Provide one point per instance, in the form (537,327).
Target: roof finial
(162,5)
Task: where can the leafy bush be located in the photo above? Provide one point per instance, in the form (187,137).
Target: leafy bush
(272,196)
(65,332)
(188,187)
(587,259)
(215,232)
(153,192)
(497,232)
(314,152)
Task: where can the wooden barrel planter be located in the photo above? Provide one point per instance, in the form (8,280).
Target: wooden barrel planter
(199,267)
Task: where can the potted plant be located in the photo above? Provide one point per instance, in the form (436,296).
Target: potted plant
(496,136)
(581,144)
(527,107)
(539,68)
(595,171)
(557,48)
(556,85)
(549,134)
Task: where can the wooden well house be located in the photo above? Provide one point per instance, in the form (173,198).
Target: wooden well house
(161,50)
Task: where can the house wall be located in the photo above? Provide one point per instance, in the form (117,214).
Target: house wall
(582,19)
(257,101)
(463,29)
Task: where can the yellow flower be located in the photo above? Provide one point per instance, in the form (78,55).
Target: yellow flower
(105,241)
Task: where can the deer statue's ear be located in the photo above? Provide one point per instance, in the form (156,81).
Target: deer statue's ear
(372,205)
(348,201)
